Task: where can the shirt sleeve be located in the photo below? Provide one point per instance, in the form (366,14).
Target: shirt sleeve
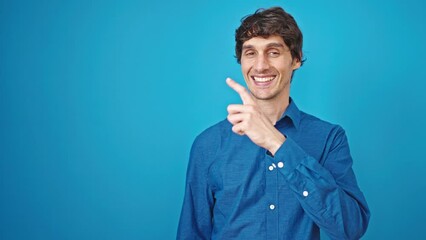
(327,191)
(196,215)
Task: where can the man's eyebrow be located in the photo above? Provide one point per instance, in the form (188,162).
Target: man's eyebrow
(276,45)
(247,47)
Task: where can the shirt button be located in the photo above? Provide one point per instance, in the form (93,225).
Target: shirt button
(272,206)
(271,168)
(280,164)
(305,193)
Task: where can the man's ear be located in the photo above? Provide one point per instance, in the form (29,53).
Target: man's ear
(296,64)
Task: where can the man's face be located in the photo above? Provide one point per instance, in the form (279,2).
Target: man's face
(267,66)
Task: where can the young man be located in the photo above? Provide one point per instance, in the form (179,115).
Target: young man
(271,171)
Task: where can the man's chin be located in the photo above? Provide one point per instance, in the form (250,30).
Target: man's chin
(263,96)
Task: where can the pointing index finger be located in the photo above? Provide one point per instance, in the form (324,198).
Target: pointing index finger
(244,94)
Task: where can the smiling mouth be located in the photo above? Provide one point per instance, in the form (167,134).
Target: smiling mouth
(262,80)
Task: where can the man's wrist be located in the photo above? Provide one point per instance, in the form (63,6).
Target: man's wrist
(276,143)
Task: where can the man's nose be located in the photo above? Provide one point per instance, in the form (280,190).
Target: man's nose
(261,63)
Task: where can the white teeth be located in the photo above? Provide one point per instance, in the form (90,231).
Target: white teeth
(260,79)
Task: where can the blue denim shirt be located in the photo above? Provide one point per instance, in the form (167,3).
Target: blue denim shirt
(237,190)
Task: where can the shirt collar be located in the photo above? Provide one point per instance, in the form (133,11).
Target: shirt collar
(293,113)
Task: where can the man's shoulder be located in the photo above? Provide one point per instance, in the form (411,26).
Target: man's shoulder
(219,129)
(214,134)
(310,121)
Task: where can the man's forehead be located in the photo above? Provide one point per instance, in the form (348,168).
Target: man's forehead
(271,41)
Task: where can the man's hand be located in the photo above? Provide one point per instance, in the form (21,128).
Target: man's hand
(248,119)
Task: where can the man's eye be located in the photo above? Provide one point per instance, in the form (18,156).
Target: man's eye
(274,54)
(249,53)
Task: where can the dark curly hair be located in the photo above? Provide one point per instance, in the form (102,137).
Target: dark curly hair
(268,22)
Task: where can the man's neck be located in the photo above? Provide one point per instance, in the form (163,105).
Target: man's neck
(274,108)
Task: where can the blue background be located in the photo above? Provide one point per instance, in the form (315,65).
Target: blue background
(100,102)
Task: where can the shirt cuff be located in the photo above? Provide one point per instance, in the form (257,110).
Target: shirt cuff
(289,156)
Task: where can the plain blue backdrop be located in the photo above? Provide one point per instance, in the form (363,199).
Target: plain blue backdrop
(100,102)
